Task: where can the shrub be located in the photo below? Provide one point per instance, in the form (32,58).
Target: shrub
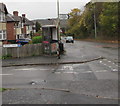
(7,56)
(36,39)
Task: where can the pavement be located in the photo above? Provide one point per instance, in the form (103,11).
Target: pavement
(74,53)
(48,60)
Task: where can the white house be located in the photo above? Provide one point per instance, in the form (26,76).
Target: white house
(3,12)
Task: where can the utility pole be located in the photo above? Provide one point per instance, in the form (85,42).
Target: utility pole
(95,23)
(58,21)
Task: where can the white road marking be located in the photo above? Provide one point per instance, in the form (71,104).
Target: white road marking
(68,72)
(5,74)
(114,70)
(110,66)
(32,69)
(101,71)
(87,72)
(25,69)
(67,67)
(71,72)
(57,72)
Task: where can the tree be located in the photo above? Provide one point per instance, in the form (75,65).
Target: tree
(74,16)
(73,20)
(89,12)
(109,19)
(38,26)
(75,12)
(82,24)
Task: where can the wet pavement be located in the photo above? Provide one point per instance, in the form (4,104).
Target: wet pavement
(94,82)
(79,51)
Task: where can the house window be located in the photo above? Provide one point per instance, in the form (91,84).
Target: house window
(28,27)
(2,17)
(17,37)
(2,35)
(19,24)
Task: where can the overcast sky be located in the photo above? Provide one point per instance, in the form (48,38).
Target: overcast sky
(42,9)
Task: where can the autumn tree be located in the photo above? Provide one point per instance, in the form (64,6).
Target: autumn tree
(109,20)
(73,20)
(82,24)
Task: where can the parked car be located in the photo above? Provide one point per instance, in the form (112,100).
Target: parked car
(69,39)
(23,41)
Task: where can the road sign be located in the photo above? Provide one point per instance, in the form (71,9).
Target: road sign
(64,16)
(11,45)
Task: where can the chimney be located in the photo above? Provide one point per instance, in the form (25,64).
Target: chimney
(15,13)
(23,15)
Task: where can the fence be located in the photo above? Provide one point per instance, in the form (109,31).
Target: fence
(24,51)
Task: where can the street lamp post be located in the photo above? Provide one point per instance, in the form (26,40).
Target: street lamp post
(58,19)
(95,23)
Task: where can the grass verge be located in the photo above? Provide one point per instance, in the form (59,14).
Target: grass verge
(2,89)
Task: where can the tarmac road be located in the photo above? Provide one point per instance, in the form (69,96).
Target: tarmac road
(95,82)
(82,49)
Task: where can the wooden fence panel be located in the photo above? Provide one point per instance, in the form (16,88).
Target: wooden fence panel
(24,51)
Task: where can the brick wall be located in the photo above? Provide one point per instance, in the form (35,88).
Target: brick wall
(24,31)
(10,31)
